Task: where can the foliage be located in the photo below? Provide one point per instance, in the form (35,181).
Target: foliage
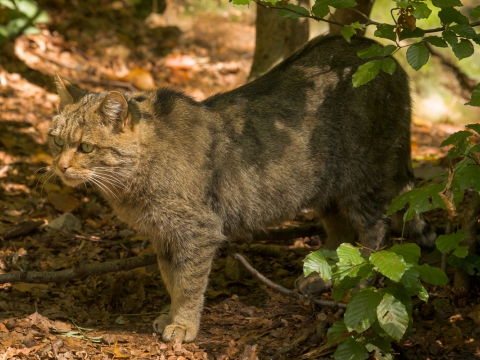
(386,312)
(447,195)
(20,17)
(375,316)
(455,31)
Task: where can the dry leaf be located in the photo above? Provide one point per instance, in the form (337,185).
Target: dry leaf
(447,196)
(63,202)
(140,78)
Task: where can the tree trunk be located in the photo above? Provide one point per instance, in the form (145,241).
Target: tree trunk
(276,38)
(348,16)
(462,279)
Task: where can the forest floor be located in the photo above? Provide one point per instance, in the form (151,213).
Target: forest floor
(110,316)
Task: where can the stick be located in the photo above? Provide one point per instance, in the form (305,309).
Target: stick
(279,288)
(78,272)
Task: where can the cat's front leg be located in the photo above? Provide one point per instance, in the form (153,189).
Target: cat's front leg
(186,277)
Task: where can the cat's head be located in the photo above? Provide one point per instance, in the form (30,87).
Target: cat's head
(92,139)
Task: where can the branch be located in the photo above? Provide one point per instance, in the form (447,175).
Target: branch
(279,288)
(369,21)
(78,272)
(268,6)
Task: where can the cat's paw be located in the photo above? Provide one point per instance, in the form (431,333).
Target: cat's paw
(161,323)
(182,333)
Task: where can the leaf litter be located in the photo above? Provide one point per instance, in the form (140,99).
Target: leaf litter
(110,316)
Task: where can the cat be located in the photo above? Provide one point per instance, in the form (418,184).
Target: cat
(191,175)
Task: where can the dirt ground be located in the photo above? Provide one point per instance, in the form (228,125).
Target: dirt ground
(110,316)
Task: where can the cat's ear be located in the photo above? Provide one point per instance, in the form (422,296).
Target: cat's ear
(115,108)
(67,92)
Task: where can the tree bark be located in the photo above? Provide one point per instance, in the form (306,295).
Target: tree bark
(348,16)
(276,38)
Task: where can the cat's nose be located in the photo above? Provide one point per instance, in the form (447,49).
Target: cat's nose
(63,167)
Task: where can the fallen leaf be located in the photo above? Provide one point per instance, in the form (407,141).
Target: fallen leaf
(140,78)
(63,202)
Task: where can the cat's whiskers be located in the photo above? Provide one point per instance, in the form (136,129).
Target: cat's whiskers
(109,179)
(46,176)
(98,181)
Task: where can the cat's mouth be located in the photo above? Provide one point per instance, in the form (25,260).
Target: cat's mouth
(71,179)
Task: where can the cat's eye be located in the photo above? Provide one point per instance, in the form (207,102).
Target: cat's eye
(58,140)
(86,147)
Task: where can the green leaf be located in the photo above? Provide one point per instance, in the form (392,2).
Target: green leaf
(361,310)
(381,345)
(400,293)
(320,11)
(463,30)
(463,49)
(389,264)
(348,32)
(343,287)
(316,262)
(407,34)
(241,2)
(468,177)
(474,149)
(32,30)
(388,50)
(349,254)
(461,251)
(450,15)
(120,320)
(436,41)
(470,263)
(291,11)
(450,37)
(372,51)
(422,11)
(386,31)
(475,13)
(28,8)
(8,4)
(392,317)
(455,137)
(357,25)
(475,99)
(432,275)
(366,73)
(420,200)
(447,243)
(389,66)
(410,278)
(410,252)
(474,127)
(43,17)
(351,350)
(338,4)
(336,331)
(417,55)
(363,270)
(446,3)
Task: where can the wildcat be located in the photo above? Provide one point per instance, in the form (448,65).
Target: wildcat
(191,175)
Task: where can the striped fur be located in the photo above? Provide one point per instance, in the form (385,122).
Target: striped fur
(193,174)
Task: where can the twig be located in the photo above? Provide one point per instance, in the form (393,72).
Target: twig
(78,272)
(448,231)
(279,288)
